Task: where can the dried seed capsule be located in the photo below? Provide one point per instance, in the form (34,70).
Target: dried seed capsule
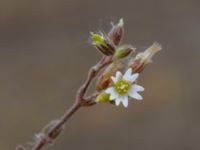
(117,32)
(144,58)
(104,80)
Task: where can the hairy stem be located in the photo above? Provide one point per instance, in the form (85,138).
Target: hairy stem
(48,137)
(62,121)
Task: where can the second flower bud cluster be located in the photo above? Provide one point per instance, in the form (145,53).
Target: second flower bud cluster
(109,44)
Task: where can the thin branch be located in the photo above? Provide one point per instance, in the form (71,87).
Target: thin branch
(92,74)
(48,137)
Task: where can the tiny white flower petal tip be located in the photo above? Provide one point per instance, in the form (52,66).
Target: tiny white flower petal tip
(114,79)
(127,75)
(118,75)
(130,76)
(137,88)
(134,77)
(117,102)
(125,101)
(136,96)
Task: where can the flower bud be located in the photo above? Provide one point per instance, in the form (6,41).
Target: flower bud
(104,79)
(144,58)
(103,98)
(123,51)
(117,32)
(103,44)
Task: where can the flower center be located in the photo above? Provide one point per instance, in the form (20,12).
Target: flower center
(121,87)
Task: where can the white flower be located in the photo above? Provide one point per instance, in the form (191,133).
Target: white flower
(124,87)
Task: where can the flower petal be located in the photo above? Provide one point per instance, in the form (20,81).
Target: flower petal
(127,75)
(134,77)
(118,75)
(117,101)
(137,88)
(114,79)
(135,95)
(125,101)
(110,90)
(113,96)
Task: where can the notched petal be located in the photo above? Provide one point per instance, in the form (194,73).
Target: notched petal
(137,88)
(125,101)
(117,102)
(127,75)
(134,77)
(118,75)
(136,96)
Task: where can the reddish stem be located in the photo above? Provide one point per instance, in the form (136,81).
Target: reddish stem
(80,101)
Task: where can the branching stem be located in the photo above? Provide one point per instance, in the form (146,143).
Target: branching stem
(46,138)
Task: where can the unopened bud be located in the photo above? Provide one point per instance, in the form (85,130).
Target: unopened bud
(123,51)
(104,80)
(117,32)
(144,58)
(103,44)
(103,98)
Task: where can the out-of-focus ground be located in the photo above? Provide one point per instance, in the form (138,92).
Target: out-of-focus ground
(44,57)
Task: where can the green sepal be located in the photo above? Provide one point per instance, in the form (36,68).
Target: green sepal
(103,98)
(123,51)
(97,39)
(119,53)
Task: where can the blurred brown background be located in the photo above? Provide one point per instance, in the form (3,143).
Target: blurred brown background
(45,55)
